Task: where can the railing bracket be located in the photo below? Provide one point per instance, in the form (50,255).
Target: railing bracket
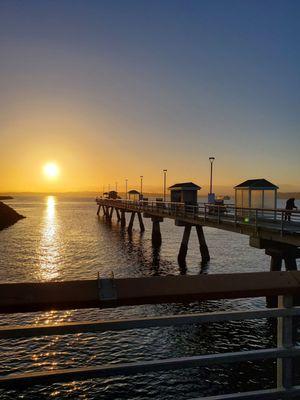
(107,288)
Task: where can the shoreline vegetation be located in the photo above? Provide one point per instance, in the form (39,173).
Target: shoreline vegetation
(8,216)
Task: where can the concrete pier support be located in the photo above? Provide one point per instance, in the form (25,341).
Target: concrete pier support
(275,265)
(142,226)
(290,262)
(156,234)
(130,225)
(118,214)
(98,211)
(278,253)
(184,244)
(202,244)
(123,219)
(111,213)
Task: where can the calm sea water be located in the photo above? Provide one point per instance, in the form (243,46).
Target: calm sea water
(62,239)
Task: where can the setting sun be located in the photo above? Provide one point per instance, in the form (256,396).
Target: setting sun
(51,170)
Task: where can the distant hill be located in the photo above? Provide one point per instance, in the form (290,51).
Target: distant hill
(288,195)
(8,216)
(6,197)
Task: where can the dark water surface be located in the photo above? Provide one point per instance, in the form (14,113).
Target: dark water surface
(62,239)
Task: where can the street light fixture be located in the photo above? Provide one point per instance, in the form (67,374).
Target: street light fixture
(126,182)
(211,196)
(116,186)
(141,185)
(165,183)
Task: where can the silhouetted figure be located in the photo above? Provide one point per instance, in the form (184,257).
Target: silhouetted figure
(290,205)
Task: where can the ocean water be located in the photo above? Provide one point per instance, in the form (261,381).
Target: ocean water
(62,239)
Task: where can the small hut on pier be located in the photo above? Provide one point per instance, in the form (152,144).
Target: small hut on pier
(134,193)
(185,192)
(256,193)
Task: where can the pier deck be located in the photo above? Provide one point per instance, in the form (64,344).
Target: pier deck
(267,224)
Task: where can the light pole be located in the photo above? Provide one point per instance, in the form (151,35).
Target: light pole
(141,185)
(126,182)
(165,183)
(108,187)
(210,195)
(116,186)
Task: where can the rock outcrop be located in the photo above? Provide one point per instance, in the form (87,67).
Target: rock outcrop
(8,216)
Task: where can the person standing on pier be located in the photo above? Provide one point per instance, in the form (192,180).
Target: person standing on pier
(290,205)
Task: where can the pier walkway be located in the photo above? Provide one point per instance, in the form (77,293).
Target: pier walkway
(266,223)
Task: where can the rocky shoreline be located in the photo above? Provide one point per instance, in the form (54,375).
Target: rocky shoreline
(8,216)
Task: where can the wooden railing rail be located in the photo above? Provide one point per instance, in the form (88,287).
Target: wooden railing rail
(20,297)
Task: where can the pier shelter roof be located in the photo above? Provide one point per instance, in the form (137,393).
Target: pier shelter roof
(185,186)
(256,193)
(256,184)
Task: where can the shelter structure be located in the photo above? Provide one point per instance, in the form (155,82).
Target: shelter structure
(185,192)
(133,193)
(256,193)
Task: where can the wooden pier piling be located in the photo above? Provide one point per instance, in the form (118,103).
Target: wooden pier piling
(156,234)
(123,219)
(118,215)
(202,244)
(130,226)
(184,244)
(142,226)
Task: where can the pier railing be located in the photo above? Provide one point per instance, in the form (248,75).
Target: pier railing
(27,297)
(282,220)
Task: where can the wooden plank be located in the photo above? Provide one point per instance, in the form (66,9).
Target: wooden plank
(21,297)
(98,371)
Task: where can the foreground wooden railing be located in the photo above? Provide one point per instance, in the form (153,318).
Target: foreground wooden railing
(26,297)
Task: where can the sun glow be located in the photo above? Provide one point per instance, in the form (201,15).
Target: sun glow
(51,170)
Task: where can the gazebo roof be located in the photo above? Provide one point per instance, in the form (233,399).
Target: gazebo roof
(256,184)
(133,191)
(185,186)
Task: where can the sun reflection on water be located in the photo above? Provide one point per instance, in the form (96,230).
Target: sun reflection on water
(50,249)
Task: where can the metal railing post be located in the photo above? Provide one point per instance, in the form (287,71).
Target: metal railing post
(285,339)
(204,212)
(219,215)
(282,226)
(256,218)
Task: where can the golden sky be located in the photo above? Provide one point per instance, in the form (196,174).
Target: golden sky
(108,93)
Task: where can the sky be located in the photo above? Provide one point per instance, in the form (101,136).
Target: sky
(115,89)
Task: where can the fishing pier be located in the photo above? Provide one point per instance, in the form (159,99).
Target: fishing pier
(267,228)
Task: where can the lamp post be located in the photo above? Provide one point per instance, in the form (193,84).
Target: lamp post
(108,187)
(116,186)
(165,183)
(211,196)
(126,183)
(141,185)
